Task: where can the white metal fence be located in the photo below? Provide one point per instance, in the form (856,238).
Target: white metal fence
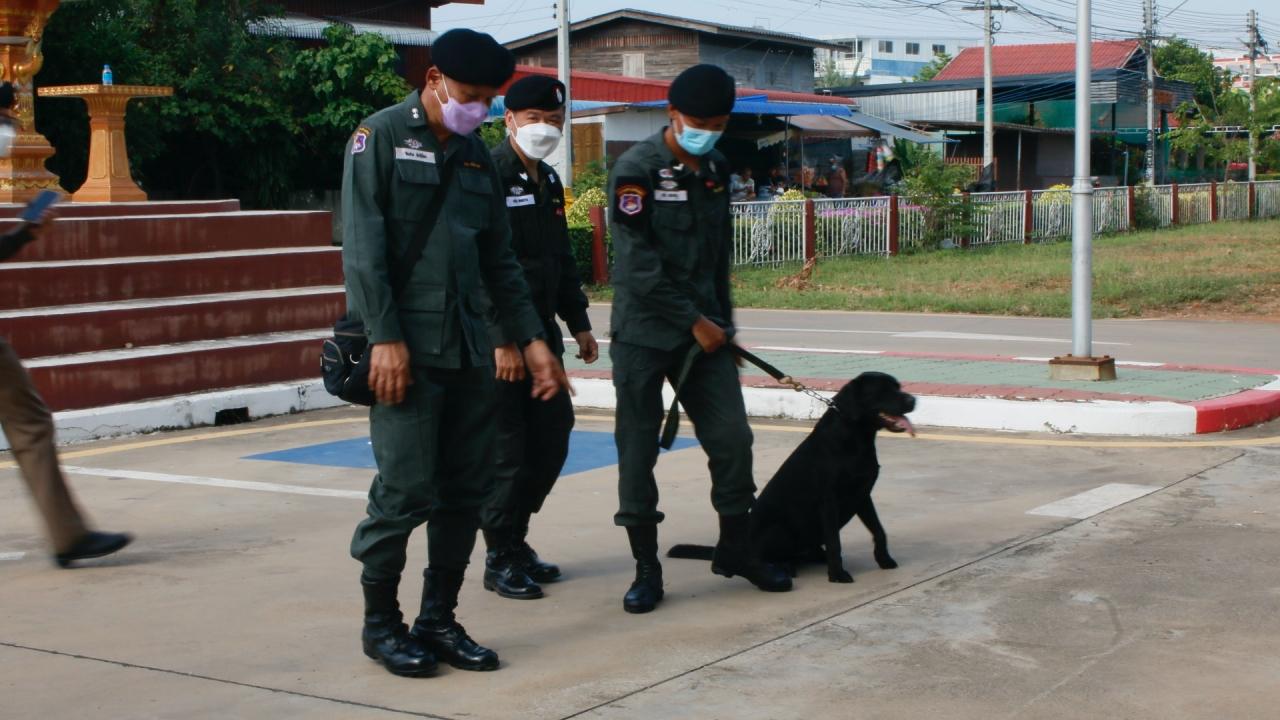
(770,233)
(851,226)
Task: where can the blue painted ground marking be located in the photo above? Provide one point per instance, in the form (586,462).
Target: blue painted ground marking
(587,451)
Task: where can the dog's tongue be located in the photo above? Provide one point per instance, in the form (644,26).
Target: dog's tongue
(900,423)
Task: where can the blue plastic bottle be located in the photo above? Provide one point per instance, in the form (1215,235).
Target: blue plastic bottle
(106,74)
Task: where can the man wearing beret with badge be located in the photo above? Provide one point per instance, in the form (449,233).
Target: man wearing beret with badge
(533,436)
(673,316)
(417,176)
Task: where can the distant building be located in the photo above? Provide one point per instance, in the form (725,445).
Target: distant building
(1236,65)
(639,44)
(876,60)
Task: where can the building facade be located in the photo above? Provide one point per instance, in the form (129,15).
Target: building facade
(1236,64)
(646,45)
(876,60)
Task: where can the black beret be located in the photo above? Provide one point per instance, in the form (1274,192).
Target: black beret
(473,58)
(537,92)
(6,95)
(703,91)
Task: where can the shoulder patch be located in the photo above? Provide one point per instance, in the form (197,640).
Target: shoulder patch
(631,198)
(360,139)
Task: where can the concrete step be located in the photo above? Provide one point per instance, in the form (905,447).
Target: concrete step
(43,284)
(69,329)
(67,209)
(88,238)
(90,380)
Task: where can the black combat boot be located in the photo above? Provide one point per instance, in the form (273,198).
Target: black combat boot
(438,629)
(504,570)
(539,571)
(734,556)
(646,590)
(385,637)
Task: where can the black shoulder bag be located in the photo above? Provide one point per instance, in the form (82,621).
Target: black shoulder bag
(344,358)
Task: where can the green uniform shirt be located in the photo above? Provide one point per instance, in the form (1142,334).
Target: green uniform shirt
(540,238)
(392,170)
(672,242)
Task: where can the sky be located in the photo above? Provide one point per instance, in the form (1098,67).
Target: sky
(1210,24)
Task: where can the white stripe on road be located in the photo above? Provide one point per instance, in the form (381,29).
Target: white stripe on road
(820,351)
(924,335)
(1091,502)
(12,556)
(217,482)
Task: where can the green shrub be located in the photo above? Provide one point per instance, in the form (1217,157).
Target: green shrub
(580,213)
(581,238)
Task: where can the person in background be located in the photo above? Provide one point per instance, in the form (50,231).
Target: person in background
(742,188)
(26,420)
(837,178)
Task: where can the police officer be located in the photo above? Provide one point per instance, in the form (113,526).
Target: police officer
(672,316)
(533,436)
(431,359)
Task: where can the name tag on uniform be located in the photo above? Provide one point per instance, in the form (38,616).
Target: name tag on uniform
(519,200)
(423,156)
(671,195)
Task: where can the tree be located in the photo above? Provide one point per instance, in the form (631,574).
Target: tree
(930,71)
(831,76)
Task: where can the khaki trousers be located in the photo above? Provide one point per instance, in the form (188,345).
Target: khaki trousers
(28,425)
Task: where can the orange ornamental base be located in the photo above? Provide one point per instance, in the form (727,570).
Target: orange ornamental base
(109,179)
(22,174)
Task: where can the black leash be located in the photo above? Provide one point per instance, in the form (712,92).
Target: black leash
(672,425)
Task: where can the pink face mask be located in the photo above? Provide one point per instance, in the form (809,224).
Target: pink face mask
(462,118)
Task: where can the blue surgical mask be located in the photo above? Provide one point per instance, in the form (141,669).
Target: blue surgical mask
(697,142)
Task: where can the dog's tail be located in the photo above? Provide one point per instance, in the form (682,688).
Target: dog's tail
(691,552)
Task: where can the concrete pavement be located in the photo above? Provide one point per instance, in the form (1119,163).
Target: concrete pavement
(239,601)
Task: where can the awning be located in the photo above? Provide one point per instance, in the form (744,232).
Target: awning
(758,105)
(305,27)
(499,106)
(889,129)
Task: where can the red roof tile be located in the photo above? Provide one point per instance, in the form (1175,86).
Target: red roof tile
(1040,59)
(616,88)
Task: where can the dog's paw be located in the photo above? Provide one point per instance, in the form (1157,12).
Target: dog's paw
(841,576)
(886,562)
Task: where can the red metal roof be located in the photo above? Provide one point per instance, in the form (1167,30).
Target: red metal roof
(1040,59)
(616,88)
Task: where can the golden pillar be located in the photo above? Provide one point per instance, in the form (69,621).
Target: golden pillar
(22,23)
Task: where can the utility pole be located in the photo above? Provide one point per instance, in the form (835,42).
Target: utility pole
(988,101)
(1255,42)
(562,60)
(1148,35)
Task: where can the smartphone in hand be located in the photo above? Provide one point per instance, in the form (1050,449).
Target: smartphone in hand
(39,205)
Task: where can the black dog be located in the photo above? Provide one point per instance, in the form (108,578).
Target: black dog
(826,481)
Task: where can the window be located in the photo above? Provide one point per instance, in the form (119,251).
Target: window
(913,48)
(633,65)
(939,49)
(857,46)
(885,46)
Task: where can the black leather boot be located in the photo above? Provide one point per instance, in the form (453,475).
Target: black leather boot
(539,571)
(438,629)
(734,556)
(385,638)
(646,590)
(93,544)
(504,570)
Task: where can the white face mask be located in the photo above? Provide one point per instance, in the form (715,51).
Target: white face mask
(7,135)
(538,140)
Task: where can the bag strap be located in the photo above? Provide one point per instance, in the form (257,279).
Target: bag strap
(403,269)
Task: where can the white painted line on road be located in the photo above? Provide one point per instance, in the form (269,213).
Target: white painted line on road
(1091,502)
(822,331)
(820,351)
(11,556)
(217,482)
(942,335)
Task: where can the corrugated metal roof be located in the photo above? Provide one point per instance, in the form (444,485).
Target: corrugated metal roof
(1038,59)
(616,88)
(758,105)
(701,26)
(305,27)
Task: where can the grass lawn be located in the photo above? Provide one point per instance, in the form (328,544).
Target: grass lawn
(1225,269)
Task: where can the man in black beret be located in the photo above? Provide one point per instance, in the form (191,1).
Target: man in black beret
(426,252)
(672,318)
(533,436)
